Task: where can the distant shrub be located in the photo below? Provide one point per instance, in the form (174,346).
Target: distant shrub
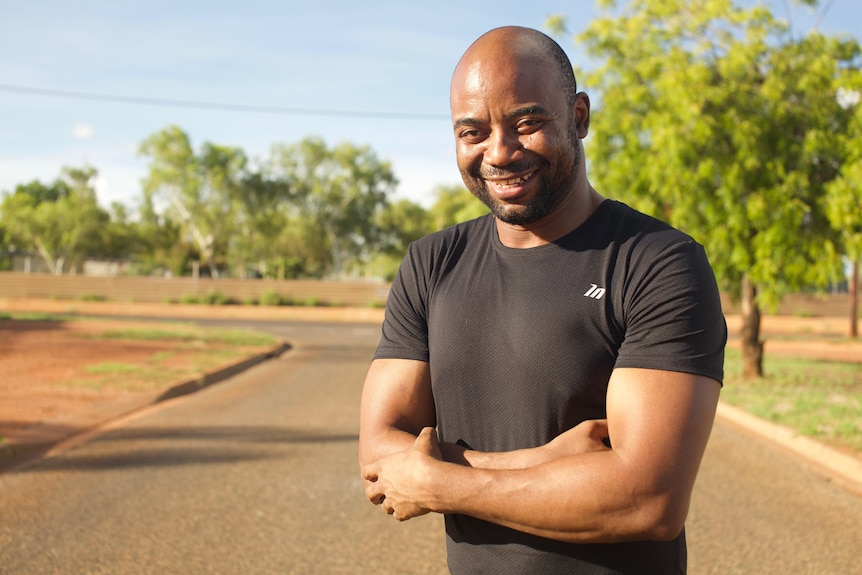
(271,297)
(215,298)
(92,297)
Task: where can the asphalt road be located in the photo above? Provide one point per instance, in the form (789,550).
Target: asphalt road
(258,475)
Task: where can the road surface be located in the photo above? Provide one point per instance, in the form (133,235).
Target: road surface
(258,475)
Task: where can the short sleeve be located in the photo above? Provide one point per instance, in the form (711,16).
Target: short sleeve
(405,326)
(673,313)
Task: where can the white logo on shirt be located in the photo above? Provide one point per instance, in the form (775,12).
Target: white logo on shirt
(595,292)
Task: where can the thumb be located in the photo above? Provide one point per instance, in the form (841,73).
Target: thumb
(427,442)
(428,434)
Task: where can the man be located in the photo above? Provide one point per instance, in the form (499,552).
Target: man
(548,374)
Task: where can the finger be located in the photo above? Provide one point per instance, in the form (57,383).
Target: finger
(369,473)
(373,494)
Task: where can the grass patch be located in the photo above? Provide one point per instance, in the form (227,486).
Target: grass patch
(38,316)
(92,297)
(816,398)
(157,371)
(191,334)
(112,368)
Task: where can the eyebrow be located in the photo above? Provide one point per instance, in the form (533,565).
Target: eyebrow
(534,109)
(531,110)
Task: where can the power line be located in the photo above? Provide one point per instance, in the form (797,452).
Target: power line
(166,102)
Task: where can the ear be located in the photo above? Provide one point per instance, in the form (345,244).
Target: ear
(582,114)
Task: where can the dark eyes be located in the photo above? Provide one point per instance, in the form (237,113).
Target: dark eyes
(473,135)
(529,126)
(525,126)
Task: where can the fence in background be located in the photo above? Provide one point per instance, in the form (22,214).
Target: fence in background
(160,290)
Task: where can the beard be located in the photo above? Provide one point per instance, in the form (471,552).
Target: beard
(555,182)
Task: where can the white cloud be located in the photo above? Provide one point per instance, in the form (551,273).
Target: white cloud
(83,131)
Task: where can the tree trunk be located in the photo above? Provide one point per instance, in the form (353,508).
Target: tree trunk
(55,267)
(752,346)
(854,299)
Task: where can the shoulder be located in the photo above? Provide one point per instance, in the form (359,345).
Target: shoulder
(452,240)
(640,238)
(460,231)
(628,222)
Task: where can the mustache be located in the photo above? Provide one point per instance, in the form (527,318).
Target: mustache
(510,171)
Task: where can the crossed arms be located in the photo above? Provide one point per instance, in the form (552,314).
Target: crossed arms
(572,489)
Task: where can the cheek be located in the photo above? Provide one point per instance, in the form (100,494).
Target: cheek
(467,162)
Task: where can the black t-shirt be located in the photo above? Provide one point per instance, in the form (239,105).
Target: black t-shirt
(521,344)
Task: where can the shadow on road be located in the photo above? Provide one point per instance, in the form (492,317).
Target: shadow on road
(186,446)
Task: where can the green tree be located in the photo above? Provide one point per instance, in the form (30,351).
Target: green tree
(6,247)
(716,119)
(261,215)
(340,191)
(62,221)
(204,190)
(454,204)
(162,248)
(844,194)
(400,223)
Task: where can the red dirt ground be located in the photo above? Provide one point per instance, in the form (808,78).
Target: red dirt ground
(43,368)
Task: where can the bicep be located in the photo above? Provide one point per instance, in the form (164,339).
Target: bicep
(659,423)
(396,404)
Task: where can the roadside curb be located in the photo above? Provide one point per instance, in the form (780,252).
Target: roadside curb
(841,468)
(40,439)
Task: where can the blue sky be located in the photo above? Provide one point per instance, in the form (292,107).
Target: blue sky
(380,56)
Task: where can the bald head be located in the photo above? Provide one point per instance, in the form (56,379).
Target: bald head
(514,45)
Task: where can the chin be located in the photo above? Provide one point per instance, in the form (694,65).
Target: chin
(516,214)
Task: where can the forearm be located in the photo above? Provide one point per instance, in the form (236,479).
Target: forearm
(586,437)
(583,498)
(580,490)
(383,442)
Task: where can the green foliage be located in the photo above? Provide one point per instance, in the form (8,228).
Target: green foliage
(454,204)
(273,298)
(93,297)
(843,199)
(308,210)
(61,221)
(204,190)
(713,118)
(209,298)
(339,193)
(215,298)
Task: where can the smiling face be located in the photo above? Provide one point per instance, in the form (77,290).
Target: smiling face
(517,140)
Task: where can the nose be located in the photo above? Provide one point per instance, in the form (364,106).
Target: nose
(503,148)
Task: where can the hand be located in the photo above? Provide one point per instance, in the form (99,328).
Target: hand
(399,482)
(585,437)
